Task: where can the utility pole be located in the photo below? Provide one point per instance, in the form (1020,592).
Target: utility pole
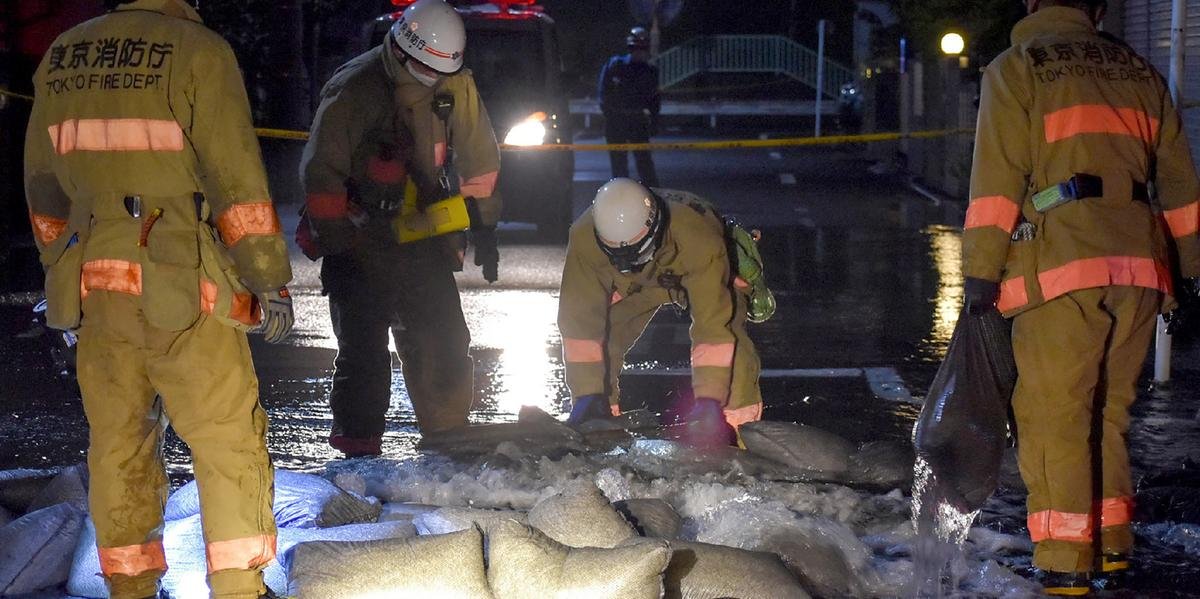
(820,71)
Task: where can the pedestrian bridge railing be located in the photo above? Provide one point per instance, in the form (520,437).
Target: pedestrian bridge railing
(748,54)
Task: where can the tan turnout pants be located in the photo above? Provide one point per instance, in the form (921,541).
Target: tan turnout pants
(210,395)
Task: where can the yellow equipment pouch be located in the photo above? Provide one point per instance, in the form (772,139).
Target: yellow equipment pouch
(439,218)
(64,271)
(222,294)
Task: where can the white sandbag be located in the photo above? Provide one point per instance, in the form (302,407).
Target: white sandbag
(581,517)
(524,563)
(651,517)
(184,545)
(301,501)
(18,488)
(275,575)
(35,550)
(70,486)
(446,566)
(453,519)
(800,446)
(704,571)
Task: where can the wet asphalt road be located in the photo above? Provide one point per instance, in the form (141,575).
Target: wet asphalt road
(867,277)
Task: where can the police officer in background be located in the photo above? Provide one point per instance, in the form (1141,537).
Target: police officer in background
(137,113)
(630,102)
(1063,237)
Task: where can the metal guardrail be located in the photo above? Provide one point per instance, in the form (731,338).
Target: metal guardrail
(748,54)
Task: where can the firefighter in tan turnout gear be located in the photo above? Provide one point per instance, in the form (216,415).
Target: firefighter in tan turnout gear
(161,245)
(1063,236)
(401,132)
(633,251)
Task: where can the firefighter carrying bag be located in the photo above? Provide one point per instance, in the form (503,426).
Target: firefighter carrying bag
(962,430)
(750,277)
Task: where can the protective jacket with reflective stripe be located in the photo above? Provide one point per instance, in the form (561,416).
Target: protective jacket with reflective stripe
(1065,100)
(145,101)
(691,266)
(374,128)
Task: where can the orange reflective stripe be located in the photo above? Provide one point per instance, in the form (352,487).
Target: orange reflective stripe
(243,306)
(240,220)
(247,553)
(1183,221)
(388,172)
(582,350)
(482,186)
(327,205)
(120,276)
(1099,118)
(208,296)
(712,354)
(1101,272)
(1116,511)
(132,560)
(740,283)
(1012,294)
(47,228)
(116,135)
(740,416)
(616,410)
(1060,526)
(616,297)
(992,211)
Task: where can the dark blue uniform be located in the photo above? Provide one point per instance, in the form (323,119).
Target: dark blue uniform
(630,103)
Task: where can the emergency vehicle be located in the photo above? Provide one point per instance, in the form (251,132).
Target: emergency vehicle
(512,51)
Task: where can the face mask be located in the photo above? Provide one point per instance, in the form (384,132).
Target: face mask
(426,80)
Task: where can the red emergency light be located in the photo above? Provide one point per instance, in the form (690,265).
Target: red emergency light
(497,7)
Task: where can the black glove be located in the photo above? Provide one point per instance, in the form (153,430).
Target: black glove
(487,254)
(979,295)
(278,317)
(483,235)
(1187,293)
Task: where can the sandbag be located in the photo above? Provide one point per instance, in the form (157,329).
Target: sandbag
(301,501)
(397,511)
(449,566)
(704,571)
(651,517)
(580,517)
(70,486)
(962,430)
(453,519)
(524,563)
(18,488)
(35,550)
(183,542)
(887,463)
(800,446)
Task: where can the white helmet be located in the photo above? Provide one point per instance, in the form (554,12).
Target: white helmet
(432,33)
(629,223)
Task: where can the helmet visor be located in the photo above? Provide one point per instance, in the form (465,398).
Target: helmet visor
(633,256)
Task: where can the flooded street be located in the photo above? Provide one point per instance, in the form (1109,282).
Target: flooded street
(867,276)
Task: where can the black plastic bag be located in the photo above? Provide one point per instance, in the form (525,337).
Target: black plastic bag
(961,432)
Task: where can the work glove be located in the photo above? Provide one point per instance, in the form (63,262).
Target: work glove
(588,408)
(483,235)
(979,295)
(705,427)
(277,315)
(1187,293)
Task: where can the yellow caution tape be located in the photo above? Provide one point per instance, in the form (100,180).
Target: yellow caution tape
(733,144)
(5,92)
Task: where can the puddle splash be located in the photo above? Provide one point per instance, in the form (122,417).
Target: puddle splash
(939,559)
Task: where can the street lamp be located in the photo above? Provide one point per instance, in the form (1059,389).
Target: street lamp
(953,44)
